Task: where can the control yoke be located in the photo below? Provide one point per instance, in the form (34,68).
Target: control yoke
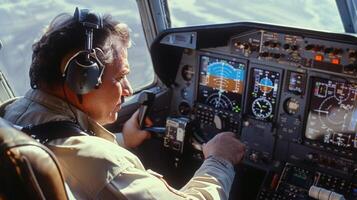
(146,100)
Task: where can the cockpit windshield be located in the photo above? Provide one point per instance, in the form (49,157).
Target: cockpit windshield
(319,15)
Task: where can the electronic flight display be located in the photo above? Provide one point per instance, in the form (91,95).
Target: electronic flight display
(263,96)
(221,83)
(333,113)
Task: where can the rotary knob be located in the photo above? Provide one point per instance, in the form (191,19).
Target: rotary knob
(291,106)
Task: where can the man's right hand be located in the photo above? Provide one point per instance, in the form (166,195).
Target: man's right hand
(226,146)
(132,134)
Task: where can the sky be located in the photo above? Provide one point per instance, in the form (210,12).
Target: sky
(22,23)
(312,14)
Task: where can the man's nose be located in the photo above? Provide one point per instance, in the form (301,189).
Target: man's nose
(127,89)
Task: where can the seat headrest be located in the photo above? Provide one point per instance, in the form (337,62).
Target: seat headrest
(28,169)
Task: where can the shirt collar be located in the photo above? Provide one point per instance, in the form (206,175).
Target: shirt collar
(61,107)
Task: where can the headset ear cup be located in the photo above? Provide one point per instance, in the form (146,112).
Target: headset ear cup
(83,71)
(82,79)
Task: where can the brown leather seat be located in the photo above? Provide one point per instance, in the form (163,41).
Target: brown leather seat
(28,170)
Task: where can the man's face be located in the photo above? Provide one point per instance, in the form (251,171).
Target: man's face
(103,104)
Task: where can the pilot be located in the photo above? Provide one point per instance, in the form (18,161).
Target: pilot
(95,165)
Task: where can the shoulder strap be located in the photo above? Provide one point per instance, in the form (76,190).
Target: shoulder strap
(49,131)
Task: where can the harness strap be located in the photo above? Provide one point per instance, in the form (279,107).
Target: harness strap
(49,131)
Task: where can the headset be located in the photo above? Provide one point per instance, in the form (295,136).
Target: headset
(83,71)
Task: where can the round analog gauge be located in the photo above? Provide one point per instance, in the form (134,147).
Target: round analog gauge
(262,108)
(187,72)
(292,106)
(184,108)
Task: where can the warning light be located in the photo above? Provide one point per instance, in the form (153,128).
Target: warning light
(335,61)
(319,57)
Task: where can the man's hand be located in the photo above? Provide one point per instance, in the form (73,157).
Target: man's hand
(226,146)
(132,134)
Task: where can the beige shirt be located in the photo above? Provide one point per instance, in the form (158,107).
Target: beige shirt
(99,168)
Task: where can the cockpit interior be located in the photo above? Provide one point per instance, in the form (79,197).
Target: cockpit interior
(289,94)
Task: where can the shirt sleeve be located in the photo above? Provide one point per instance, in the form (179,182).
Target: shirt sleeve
(211,181)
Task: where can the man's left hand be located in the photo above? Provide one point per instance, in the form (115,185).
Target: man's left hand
(132,134)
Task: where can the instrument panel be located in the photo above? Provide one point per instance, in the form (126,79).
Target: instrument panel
(262,79)
(289,95)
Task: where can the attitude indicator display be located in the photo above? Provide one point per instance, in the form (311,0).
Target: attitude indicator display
(332,115)
(264,93)
(221,83)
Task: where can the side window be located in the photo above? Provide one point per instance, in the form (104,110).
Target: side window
(23,22)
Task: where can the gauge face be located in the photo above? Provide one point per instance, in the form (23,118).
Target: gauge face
(262,108)
(220,101)
(264,92)
(224,76)
(332,115)
(266,85)
(187,72)
(221,83)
